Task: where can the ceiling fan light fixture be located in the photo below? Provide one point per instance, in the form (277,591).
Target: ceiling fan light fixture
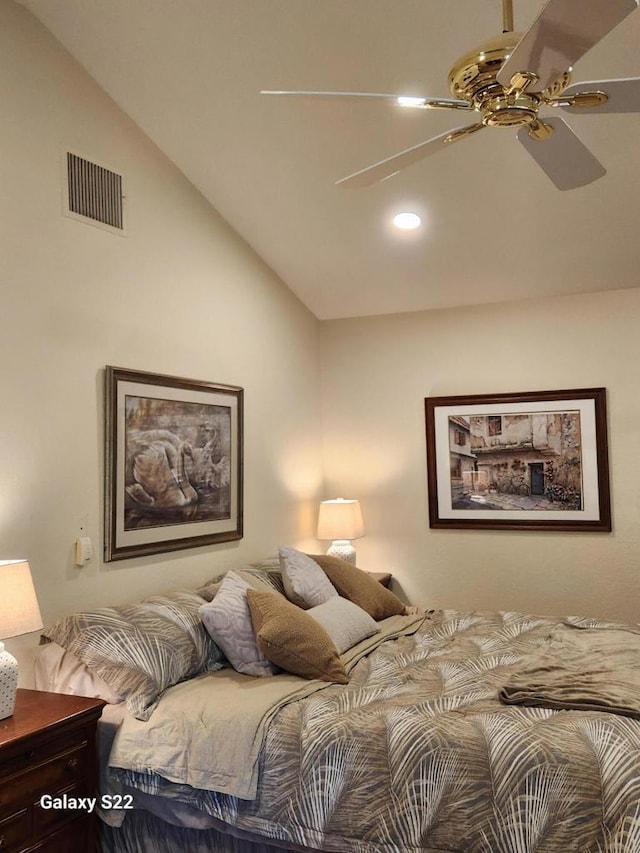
(407,221)
(506,79)
(408,101)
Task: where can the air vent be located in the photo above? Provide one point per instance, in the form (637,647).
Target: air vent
(94,194)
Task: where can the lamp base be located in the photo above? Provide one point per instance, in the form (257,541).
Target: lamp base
(343,549)
(8,682)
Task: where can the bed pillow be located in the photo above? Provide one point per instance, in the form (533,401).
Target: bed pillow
(292,639)
(345,622)
(305,584)
(182,607)
(360,587)
(141,649)
(58,671)
(228,621)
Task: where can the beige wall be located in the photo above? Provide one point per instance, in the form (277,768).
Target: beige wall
(377,372)
(180,295)
(183,295)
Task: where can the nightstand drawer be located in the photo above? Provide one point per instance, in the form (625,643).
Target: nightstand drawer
(23,788)
(14,829)
(47,820)
(40,749)
(72,838)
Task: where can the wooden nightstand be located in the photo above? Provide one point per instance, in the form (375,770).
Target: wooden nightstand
(48,747)
(382,577)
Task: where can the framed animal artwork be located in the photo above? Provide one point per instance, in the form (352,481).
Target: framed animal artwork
(173,463)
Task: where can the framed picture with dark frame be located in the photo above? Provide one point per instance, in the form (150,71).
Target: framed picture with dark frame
(532,460)
(173,463)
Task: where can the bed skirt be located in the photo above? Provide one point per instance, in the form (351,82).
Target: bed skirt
(143,832)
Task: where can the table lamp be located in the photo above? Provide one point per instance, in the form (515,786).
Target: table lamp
(341,521)
(19,614)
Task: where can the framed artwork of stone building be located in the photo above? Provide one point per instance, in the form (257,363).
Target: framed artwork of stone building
(529,460)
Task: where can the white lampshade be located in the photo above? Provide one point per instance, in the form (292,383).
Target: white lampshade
(19,610)
(19,614)
(340,519)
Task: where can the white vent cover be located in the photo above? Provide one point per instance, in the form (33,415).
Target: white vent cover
(94,194)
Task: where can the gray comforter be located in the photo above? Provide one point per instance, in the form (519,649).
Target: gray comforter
(418,753)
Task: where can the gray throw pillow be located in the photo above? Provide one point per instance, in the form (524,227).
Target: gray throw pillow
(228,622)
(305,583)
(345,622)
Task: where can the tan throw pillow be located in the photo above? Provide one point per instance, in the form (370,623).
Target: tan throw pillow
(359,587)
(209,591)
(292,640)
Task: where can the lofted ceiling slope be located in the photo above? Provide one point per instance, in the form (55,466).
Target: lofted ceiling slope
(495,228)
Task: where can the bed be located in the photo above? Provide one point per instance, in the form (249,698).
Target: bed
(473,732)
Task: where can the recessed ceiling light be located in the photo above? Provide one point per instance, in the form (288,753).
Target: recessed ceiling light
(407,221)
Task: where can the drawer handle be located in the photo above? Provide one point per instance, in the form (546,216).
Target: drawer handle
(2,841)
(72,763)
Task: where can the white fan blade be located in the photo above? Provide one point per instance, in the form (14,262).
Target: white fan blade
(566,161)
(623,96)
(415,101)
(392,165)
(563,32)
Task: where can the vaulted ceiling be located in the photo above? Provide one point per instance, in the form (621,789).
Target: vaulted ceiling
(189,73)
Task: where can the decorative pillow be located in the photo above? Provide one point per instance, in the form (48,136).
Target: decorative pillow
(267,581)
(344,622)
(292,639)
(359,587)
(141,649)
(209,590)
(264,573)
(305,584)
(228,621)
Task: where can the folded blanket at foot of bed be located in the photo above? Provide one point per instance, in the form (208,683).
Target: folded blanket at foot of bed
(581,667)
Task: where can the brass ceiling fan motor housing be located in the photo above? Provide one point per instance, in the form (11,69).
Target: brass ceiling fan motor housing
(473,78)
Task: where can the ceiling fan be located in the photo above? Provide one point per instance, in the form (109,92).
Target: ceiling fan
(507,79)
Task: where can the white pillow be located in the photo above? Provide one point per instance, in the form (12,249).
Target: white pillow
(228,622)
(305,583)
(344,622)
